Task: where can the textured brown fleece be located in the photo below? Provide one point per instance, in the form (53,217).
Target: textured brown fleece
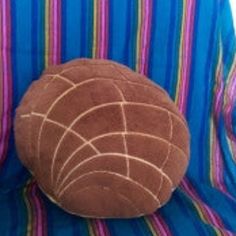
(101,140)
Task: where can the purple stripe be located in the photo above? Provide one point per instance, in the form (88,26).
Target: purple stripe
(161,225)
(38,210)
(144,45)
(231,98)
(211,215)
(218,179)
(218,96)
(187,43)
(101,229)
(103,18)
(216,150)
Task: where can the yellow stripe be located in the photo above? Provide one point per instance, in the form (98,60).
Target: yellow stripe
(199,211)
(230,145)
(230,77)
(232,67)
(90,228)
(228,80)
(212,128)
(94,28)
(180,53)
(138,35)
(46,32)
(154,233)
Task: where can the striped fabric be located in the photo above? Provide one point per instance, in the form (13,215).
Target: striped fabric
(187,46)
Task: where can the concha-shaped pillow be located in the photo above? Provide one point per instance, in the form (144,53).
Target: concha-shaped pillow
(101,140)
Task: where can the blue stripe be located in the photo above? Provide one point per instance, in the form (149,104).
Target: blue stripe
(121,227)
(159,34)
(226,207)
(41,36)
(177,43)
(188,213)
(206,228)
(64,37)
(132,18)
(34,40)
(170,47)
(203,169)
(129,38)
(89,29)
(127,35)
(83,26)
(5,225)
(81,226)
(14,215)
(193,66)
(137,228)
(152,32)
(111,227)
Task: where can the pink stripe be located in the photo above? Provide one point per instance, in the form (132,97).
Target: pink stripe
(210,214)
(232,88)
(103,27)
(107,26)
(38,212)
(217,164)
(144,35)
(218,178)
(218,95)
(101,229)
(187,44)
(6,79)
(231,98)
(149,37)
(161,225)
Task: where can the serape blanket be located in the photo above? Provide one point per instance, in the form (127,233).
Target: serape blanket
(186,46)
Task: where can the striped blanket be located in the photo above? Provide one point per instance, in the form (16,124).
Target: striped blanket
(187,46)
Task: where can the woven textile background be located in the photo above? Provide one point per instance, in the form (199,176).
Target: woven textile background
(186,46)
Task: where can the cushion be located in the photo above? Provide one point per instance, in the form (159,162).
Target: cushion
(101,140)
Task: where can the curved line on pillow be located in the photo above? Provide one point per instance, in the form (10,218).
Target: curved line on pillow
(94,108)
(76,86)
(71,125)
(168,152)
(96,138)
(120,195)
(110,134)
(59,77)
(109,155)
(125,127)
(114,66)
(64,94)
(110,173)
(139,75)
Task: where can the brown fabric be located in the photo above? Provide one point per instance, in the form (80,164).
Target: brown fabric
(101,140)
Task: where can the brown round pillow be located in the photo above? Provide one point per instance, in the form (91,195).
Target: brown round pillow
(101,140)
